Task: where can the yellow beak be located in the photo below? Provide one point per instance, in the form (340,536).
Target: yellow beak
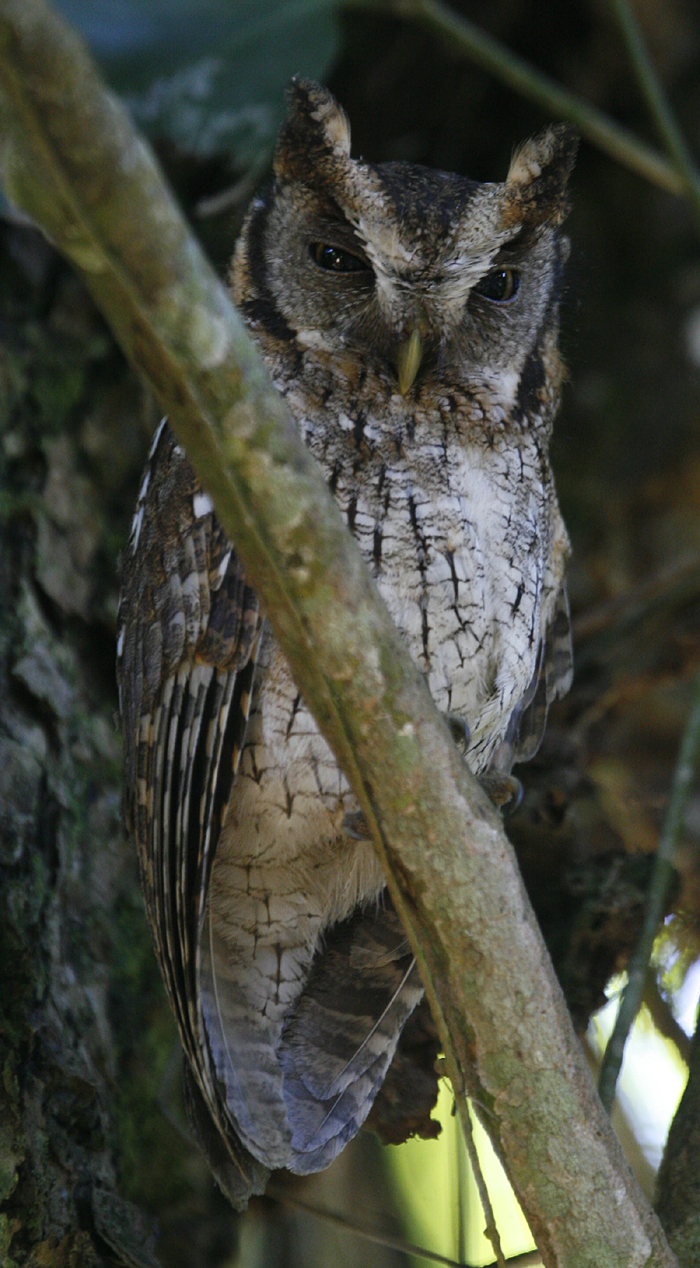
(408,359)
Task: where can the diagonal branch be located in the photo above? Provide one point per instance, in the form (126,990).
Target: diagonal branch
(678,1181)
(530,1259)
(657,101)
(72,160)
(465,37)
(657,894)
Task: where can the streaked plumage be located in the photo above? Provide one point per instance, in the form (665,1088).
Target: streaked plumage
(410,320)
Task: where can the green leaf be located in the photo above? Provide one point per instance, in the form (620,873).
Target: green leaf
(209,75)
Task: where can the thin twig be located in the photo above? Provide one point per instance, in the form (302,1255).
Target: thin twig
(657,101)
(662,1017)
(234,195)
(672,584)
(527,1260)
(463,36)
(462,1192)
(659,884)
(491,1229)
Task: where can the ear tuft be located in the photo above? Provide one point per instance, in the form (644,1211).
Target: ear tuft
(539,174)
(316,129)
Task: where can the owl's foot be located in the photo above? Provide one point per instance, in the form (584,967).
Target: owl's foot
(505,791)
(355,826)
(460,730)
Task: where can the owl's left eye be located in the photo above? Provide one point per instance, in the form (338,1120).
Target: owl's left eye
(498,286)
(335,260)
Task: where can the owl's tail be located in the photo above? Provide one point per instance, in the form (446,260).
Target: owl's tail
(297,1099)
(341,1038)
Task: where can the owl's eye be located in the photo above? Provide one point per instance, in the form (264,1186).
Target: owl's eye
(335,260)
(498,286)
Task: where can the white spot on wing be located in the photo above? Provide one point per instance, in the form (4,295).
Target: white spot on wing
(136,529)
(156,438)
(202,505)
(221,570)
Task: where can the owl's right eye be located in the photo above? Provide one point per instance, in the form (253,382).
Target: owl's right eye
(335,260)
(499,286)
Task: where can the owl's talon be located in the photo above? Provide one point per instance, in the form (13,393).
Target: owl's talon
(505,791)
(355,826)
(460,730)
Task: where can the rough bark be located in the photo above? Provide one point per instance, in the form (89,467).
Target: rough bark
(72,938)
(73,162)
(678,1181)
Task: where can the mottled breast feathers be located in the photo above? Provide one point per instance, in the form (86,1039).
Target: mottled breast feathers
(410,319)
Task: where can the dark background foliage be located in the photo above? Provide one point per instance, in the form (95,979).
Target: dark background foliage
(91,1122)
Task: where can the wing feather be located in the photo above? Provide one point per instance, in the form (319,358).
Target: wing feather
(189,632)
(340,1041)
(189,626)
(551,681)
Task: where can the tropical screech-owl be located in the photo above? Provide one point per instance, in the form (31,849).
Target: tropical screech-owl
(409,318)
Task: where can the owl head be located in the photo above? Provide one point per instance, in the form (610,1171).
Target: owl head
(419,274)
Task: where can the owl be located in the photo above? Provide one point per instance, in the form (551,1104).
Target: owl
(409,318)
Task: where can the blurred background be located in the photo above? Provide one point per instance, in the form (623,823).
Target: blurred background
(85,1029)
